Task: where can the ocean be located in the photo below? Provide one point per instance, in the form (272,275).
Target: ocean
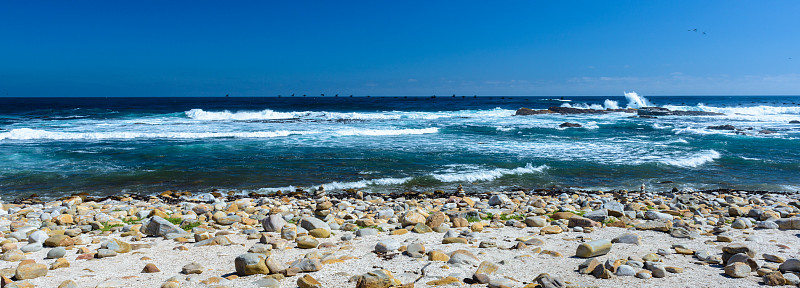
(105,146)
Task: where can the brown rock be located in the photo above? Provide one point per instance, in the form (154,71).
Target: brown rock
(437,255)
(436,219)
(551,230)
(308,282)
(27,269)
(578,221)
(774,279)
(59,241)
(562,215)
(60,263)
(150,268)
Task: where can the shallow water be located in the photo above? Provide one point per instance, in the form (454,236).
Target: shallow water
(57,146)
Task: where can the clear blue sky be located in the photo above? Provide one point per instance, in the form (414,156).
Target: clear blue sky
(264,48)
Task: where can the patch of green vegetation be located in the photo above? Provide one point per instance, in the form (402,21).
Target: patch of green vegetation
(176,221)
(365,227)
(132,221)
(472,219)
(107,227)
(609,221)
(190,226)
(292,221)
(650,207)
(489,216)
(517,217)
(580,213)
(730,221)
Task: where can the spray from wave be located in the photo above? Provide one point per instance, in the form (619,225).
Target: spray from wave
(636,101)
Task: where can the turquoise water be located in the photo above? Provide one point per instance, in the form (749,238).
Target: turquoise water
(104,146)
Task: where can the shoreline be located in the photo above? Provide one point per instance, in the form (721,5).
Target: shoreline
(345,239)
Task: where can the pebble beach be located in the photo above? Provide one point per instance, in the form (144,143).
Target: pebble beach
(542,238)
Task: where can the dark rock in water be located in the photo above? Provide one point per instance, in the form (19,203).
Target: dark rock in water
(527,111)
(658,111)
(570,125)
(766,132)
(722,127)
(653,111)
(569,110)
(794,122)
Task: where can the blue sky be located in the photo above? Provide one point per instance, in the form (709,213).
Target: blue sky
(260,48)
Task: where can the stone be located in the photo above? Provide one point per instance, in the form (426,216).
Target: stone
(551,230)
(547,281)
(320,233)
(791,279)
(463,259)
(251,264)
(436,219)
(740,223)
(655,225)
(486,268)
(628,238)
(267,283)
(37,236)
(421,228)
(59,241)
(460,222)
(105,253)
(13,255)
(366,232)
(30,270)
(499,200)
(588,266)
(536,221)
(790,265)
(32,247)
(562,215)
(192,268)
(502,283)
(60,263)
(273,223)
(308,282)
(415,250)
(788,223)
(654,215)
(306,242)
(376,279)
(578,221)
(157,226)
(743,258)
(116,245)
(455,240)
(774,279)
(734,249)
(274,265)
(774,258)
(477,227)
(644,274)
(150,268)
(593,249)
(412,218)
(68,284)
(437,255)
(625,270)
(307,265)
(737,270)
(449,280)
(657,270)
(387,245)
(57,252)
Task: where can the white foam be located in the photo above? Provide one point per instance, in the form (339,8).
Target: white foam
(583,106)
(34,134)
(486,175)
(202,115)
(695,160)
(385,132)
(611,104)
(636,101)
(472,176)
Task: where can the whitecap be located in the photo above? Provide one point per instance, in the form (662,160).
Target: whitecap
(694,160)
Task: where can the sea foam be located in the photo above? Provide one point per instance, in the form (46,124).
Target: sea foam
(35,134)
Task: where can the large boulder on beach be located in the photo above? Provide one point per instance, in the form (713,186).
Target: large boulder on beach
(788,223)
(311,223)
(593,248)
(157,226)
(251,264)
(273,223)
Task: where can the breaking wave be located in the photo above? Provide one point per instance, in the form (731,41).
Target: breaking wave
(34,134)
(694,160)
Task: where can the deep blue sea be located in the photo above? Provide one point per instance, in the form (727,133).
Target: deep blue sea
(104,146)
